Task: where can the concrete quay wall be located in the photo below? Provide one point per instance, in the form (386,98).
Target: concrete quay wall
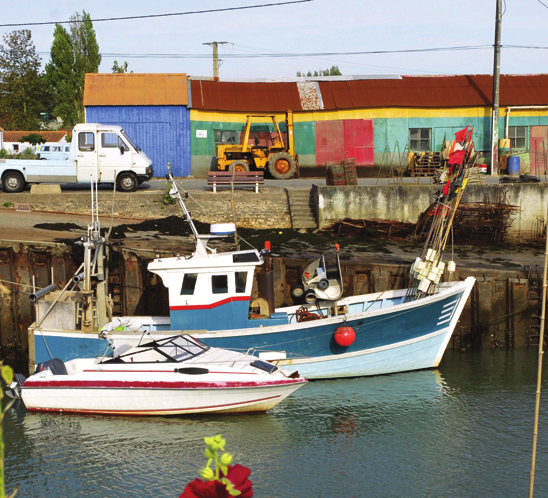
(407,202)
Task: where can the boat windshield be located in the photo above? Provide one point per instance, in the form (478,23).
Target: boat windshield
(172,349)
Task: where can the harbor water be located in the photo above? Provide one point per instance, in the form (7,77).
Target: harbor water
(463,430)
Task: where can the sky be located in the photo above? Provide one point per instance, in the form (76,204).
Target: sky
(291,33)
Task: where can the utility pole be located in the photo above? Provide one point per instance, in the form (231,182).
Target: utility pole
(496,91)
(215,45)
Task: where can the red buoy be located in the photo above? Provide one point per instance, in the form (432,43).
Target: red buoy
(344,336)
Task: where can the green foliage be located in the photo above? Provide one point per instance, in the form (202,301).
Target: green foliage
(7,376)
(21,83)
(73,54)
(122,68)
(33,139)
(333,71)
(4,153)
(7,204)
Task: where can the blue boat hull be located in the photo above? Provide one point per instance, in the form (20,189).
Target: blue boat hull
(390,337)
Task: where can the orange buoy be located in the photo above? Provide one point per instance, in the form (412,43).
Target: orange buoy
(344,336)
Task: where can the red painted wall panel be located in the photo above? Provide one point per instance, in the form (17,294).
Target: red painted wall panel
(538,150)
(329,141)
(358,141)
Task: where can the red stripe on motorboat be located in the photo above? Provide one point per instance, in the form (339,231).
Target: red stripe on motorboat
(94,370)
(211,305)
(118,384)
(164,410)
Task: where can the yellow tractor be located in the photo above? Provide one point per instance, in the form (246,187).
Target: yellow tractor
(281,160)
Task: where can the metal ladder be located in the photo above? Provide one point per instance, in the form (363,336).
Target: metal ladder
(534,297)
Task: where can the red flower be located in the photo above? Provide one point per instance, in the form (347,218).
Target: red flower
(237,475)
(209,489)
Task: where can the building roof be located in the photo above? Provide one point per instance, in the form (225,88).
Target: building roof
(311,94)
(50,136)
(245,96)
(123,89)
(435,91)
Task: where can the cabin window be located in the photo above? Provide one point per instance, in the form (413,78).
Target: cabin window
(241,279)
(420,139)
(189,284)
(518,136)
(219,284)
(86,141)
(225,137)
(113,141)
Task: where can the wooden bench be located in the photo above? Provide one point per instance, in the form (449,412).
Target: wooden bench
(227,178)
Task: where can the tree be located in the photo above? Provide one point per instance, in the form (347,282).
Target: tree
(61,77)
(33,139)
(21,84)
(122,68)
(333,71)
(87,58)
(73,54)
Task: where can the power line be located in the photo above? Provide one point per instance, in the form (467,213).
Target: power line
(308,54)
(150,16)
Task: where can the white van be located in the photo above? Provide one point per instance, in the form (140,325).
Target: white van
(53,151)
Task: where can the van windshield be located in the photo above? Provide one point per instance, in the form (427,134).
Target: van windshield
(130,141)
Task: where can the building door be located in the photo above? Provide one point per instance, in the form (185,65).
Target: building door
(345,139)
(358,141)
(538,150)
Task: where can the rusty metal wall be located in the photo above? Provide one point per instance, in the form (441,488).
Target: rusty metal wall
(502,311)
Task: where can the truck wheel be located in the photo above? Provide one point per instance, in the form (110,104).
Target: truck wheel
(13,182)
(238,166)
(127,182)
(282,166)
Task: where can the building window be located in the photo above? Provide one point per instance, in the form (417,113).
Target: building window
(225,137)
(518,136)
(420,139)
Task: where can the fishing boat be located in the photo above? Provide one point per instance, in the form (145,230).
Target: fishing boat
(173,376)
(324,334)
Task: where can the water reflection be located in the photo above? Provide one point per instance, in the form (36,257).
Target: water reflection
(464,430)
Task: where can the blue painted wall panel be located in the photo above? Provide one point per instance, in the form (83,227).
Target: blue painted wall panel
(162,132)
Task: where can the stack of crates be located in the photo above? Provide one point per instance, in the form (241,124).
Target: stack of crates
(341,173)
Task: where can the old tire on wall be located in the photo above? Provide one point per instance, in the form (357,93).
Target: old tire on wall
(282,166)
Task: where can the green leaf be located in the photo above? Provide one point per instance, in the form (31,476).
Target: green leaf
(7,374)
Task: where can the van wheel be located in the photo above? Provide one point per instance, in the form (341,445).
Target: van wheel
(13,182)
(127,182)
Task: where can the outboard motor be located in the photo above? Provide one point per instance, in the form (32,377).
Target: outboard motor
(14,389)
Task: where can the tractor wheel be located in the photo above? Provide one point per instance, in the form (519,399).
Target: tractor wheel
(238,166)
(282,166)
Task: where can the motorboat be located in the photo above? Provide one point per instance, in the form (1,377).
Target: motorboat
(176,375)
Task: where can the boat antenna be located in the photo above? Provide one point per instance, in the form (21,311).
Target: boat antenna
(175,194)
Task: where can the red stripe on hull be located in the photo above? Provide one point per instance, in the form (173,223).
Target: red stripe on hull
(118,384)
(210,306)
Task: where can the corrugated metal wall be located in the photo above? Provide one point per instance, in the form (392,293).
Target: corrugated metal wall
(162,132)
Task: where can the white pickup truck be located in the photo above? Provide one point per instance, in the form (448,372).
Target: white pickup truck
(102,153)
